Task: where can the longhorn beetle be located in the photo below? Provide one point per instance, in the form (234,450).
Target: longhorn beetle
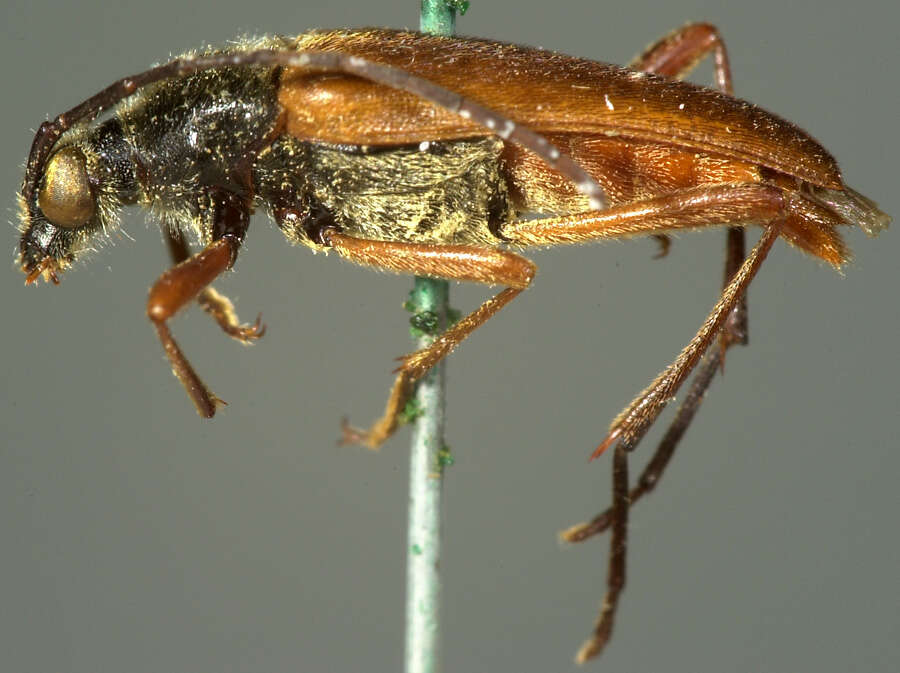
(421,154)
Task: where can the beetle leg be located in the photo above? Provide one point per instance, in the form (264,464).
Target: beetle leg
(687,209)
(454,262)
(186,281)
(665,243)
(687,410)
(615,577)
(630,425)
(693,208)
(652,473)
(676,54)
(654,469)
(735,331)
(212,302)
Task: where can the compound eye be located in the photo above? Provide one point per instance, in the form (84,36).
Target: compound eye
(65,196)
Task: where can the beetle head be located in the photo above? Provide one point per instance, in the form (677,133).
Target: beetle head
(71,198)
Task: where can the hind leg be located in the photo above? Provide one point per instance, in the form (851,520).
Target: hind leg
(674,55)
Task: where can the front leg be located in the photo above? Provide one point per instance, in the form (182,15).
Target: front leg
(187,280)
(214,303)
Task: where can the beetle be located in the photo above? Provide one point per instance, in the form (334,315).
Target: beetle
(420,154)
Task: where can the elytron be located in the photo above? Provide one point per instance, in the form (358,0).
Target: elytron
(424,155)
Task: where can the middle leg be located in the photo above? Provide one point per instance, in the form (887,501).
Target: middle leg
(455,262)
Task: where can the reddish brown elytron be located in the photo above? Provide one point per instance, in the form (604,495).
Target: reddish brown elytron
(421,154)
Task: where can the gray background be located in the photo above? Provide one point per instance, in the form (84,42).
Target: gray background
(138,538)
